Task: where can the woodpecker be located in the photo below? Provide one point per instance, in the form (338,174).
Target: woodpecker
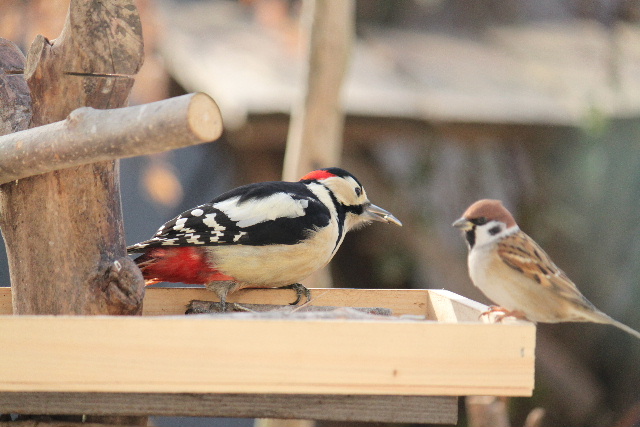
(263,235)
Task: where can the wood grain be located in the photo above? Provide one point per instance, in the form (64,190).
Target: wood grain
(195,354)
(15,101)
(404,409)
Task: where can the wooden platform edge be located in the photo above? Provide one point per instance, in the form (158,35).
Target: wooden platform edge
(369,408)
(435,304)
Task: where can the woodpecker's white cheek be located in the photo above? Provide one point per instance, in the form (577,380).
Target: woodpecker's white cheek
(252,212)
(322,194)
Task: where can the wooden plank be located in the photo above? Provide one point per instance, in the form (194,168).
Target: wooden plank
(204,354)
(173,301)
(405,409)
(446,306)
(436,304)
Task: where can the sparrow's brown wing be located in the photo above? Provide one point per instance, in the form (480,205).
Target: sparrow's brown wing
(523,254)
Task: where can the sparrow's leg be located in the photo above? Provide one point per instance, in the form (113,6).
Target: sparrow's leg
(300,291)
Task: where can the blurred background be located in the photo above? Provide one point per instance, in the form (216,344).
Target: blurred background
(536,103)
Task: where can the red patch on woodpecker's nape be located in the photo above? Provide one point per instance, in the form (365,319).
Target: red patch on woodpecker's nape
(185,264)
(317,175)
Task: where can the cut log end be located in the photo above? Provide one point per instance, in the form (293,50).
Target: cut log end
(205,121)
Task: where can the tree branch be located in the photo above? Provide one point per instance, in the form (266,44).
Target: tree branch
(89,135)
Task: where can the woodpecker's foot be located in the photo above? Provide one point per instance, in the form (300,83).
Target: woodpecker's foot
(300,291)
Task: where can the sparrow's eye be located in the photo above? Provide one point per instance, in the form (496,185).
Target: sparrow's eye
(358,191)
(495,230)
(480,221)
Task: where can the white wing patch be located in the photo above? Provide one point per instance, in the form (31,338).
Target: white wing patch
(255,211)
(216,229)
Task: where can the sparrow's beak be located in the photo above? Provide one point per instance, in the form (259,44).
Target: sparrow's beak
(376,213)
(463,223)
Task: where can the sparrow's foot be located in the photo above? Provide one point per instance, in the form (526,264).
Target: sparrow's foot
(300,291)
(497,314)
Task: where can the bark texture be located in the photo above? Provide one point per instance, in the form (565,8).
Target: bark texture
(63,230)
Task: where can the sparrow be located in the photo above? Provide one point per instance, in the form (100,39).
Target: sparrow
(513,271)
(261,235)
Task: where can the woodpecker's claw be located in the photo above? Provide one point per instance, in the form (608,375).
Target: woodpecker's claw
(300,291)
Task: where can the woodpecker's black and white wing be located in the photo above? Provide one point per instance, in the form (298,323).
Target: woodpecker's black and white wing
(256,214)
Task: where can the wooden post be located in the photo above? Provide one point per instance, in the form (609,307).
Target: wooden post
(63,230)
(317,119)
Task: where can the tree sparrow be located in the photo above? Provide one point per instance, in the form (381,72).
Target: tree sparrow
(513,271)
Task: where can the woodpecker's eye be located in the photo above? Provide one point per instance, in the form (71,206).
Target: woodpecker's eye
(358,191)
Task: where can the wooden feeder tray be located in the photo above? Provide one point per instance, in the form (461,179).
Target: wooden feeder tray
(408,367)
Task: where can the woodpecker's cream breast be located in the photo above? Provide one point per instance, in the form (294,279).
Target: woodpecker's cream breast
(275,265)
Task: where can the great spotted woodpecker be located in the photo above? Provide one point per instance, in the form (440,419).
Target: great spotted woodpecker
(263,235)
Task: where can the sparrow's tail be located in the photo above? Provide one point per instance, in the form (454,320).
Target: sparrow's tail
(625,328)
(600,317)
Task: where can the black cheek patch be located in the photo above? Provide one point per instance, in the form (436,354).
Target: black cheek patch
(470,235)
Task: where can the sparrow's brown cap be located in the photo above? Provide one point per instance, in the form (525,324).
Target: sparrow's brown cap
(491,210)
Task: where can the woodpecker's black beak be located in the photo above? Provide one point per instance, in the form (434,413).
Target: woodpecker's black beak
(463,224)
(376,213)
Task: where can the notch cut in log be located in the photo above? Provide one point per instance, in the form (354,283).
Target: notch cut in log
(89,135)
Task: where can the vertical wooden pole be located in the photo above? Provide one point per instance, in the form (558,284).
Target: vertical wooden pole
(63,230)
(317,119)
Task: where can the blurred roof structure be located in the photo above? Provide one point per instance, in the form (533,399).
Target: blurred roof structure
(553,73)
